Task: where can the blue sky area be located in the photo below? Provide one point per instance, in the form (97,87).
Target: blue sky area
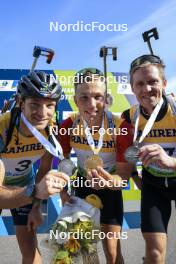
(24,24)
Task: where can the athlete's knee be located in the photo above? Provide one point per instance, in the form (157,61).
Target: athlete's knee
(155,255)
(110,253)
(113,255)
(155,248)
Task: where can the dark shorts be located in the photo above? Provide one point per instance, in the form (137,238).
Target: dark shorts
(156,203)
(20,215)
(112,211)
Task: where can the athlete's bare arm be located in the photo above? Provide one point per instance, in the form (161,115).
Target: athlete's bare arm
(10,197)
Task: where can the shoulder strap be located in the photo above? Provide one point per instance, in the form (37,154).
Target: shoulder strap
(13,118)
(50,138)
(110,120)
(126,115)
(76,121)
(170,99)
(2,145)
(135,115)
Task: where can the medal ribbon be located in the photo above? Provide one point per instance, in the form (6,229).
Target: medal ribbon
(90,139)
(55,151)
(149,123)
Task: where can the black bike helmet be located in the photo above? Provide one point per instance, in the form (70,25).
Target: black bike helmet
(39,84)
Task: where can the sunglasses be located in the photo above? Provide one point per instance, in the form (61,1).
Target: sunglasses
(84,75)
(85,71)
(145,58)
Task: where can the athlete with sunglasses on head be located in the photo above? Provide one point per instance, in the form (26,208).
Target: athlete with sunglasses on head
(93,149)
(152,140)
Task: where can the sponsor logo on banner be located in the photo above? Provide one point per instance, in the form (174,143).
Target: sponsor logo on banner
(123,83)
(6,85)
(124,88)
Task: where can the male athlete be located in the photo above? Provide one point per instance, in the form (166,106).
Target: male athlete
(39,94)
(155,145)
(90,98)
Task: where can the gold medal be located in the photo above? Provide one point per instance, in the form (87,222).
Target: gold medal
(92,162)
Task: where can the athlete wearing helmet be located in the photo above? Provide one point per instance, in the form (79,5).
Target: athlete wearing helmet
(39,94)
(39,84)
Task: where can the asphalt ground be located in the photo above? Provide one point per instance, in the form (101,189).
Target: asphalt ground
(133,247)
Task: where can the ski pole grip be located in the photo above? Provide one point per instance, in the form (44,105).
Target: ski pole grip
(41,51)
(149,34)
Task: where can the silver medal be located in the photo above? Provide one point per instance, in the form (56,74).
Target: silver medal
(131,154)
(67,166)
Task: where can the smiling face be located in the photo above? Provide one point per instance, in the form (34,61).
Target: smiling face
(90,100)
(147,85)
(38,111)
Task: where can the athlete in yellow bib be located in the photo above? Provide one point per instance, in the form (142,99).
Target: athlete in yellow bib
(39,93)
(94,146)
(156,148)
